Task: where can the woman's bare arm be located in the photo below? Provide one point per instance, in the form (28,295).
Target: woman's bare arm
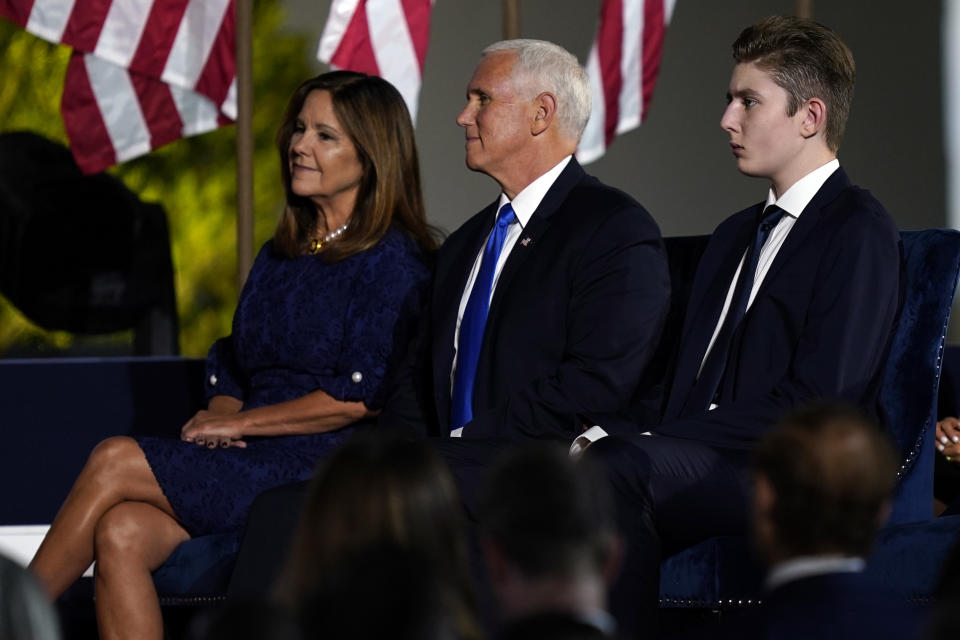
(316,412)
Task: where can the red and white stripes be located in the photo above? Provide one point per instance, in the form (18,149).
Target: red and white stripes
(144,73)
(622,66)
(387,38)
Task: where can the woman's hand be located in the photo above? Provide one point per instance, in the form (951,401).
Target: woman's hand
(214,429)
(948,438)
(223,425)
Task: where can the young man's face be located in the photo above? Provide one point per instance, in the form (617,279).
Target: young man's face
(765,140)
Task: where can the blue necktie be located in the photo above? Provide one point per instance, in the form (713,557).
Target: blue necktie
(474,320)
(711,375)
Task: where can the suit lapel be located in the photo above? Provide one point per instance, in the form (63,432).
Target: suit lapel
(474,235)
(539,223)
(806,223)
(703,319)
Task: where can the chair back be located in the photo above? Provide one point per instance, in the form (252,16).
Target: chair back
(911,376)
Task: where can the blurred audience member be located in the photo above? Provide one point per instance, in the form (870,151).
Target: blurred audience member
(822,486)
(944,622)
(547,526)
(384,591)
(382,527)
(25,611)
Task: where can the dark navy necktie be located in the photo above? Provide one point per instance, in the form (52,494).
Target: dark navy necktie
(474,320)
(711,375)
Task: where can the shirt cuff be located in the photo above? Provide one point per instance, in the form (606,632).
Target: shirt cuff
(585,439)
(457,433)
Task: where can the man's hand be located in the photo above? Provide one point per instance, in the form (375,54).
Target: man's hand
(948,438)
(212,429)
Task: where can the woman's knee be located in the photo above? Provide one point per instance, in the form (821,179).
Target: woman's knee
(115,455)
(135,534)
(119,532)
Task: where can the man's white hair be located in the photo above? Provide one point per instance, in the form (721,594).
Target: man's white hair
(543,66)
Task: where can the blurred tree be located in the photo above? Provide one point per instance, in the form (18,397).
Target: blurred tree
(193,178)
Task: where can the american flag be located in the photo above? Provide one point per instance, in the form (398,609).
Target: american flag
(623,65)
(143,73)
(387,38)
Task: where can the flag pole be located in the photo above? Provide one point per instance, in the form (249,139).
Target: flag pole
(244,129)
(511,19)
(805,9)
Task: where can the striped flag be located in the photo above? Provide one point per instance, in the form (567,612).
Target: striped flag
(622,66)
(387,38)
(143,73)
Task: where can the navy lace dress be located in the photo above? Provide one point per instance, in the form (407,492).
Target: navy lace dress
(300,325)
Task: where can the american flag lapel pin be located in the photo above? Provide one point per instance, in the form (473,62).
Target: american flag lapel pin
(525,241)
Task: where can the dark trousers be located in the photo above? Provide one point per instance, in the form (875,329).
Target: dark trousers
(670,494)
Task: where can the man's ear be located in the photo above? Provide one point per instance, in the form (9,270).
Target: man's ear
(546,105)
(814,112)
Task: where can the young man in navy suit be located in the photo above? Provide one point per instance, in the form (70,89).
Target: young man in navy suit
(793,301)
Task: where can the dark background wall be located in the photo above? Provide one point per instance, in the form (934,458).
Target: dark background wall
(678,163)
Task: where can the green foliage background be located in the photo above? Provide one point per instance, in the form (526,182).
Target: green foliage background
(193,178)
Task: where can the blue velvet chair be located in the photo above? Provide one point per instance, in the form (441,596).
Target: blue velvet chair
(198,571)
(721,574)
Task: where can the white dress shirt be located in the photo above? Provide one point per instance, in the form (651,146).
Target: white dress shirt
(524,204)
(793,202)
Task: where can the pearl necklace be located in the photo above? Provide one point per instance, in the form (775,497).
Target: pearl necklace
(318,243)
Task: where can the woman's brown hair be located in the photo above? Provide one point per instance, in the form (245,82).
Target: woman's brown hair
(375,118)
(380,490)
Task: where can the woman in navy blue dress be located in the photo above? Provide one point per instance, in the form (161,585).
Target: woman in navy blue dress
(326,311)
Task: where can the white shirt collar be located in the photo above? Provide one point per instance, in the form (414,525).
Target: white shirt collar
(799,195)
(527,201)
(807,566)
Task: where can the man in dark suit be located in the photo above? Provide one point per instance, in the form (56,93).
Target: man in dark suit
(793,301)
(550,541)
(822,485)
(549,302)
